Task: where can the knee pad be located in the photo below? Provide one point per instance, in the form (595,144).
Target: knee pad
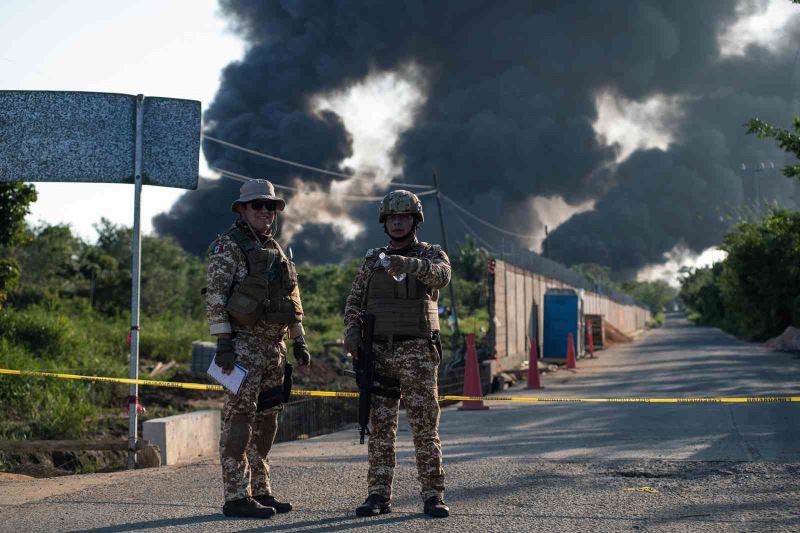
(238,438)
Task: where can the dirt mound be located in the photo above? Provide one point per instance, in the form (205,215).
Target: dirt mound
(14,477)
(614,336)
(788,341)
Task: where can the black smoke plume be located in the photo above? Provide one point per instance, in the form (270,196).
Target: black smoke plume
(510,103)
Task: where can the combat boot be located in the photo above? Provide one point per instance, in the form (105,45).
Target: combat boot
(270,501)
(247,508)
(374,505)
(436,508)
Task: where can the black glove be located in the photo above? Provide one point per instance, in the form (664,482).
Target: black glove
(225,356)
(353,342)
(301,353)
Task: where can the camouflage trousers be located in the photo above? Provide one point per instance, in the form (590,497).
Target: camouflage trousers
(247,433)
(415,364)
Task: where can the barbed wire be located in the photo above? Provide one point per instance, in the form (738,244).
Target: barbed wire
(477,237)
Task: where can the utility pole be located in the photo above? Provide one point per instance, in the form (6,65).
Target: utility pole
(545,250)
(756,170)
(456,333)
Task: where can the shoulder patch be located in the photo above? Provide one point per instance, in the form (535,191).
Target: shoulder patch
(217,247)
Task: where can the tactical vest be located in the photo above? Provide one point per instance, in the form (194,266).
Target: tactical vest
(407,307)
(266,292)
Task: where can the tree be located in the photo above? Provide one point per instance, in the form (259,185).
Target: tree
(597,274)
(49,261)
(760,282)
(470,261)
(755,292)
(787,140)
(701,294)
(654,294)
(15,200)
(171,277)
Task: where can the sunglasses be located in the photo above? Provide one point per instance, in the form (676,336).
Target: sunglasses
(258,205)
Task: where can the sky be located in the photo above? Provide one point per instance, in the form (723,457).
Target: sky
(178,48)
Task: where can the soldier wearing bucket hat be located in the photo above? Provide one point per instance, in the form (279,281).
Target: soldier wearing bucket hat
(258,190)
(252,302)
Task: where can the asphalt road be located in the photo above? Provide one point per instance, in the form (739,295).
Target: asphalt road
(540,467)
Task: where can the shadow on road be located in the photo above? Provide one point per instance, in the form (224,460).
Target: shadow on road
(343,523)
(155,524)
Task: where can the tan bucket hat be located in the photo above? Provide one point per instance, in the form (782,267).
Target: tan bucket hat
(258,190)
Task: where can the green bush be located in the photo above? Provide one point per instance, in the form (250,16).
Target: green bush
(45,408)
(44,334)
(82,342)
(168,337)
(754,292)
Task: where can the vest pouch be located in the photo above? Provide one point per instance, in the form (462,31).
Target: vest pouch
(282,311)
(288,275)
(248,300)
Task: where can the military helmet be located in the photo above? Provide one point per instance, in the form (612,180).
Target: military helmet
(400,202)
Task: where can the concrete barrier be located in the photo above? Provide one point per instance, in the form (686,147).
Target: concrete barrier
(186,437)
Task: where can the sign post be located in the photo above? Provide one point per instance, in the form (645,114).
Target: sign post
(136,284)
(103,138)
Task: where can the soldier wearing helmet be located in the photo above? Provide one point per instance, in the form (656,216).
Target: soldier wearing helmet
(406,349)
(252,302)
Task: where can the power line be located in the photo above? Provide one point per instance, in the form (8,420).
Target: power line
(301,165)
(484,222)
(241,177)
(477,237)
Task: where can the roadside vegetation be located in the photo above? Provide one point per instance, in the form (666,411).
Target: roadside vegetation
(755,292)
(66,308)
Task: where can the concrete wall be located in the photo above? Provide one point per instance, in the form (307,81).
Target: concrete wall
(183,438)
(518,292)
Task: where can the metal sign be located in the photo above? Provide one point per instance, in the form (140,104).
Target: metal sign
(91,137)
(103,138)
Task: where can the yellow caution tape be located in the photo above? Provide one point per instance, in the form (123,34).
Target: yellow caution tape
(128,381)
(350,394)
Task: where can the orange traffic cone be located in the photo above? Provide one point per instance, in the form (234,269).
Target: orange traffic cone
(571,352)
(533,368)
(589,339)
(472,379)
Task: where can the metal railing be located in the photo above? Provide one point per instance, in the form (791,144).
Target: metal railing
(309,417)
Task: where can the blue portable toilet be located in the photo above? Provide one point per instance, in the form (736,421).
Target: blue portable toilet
(563,309)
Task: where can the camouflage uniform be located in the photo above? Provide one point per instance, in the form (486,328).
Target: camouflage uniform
(247,432)
(414,363)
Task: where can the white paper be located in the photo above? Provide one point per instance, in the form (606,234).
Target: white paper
(231,381)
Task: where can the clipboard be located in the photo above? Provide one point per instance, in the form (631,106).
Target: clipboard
(233,381)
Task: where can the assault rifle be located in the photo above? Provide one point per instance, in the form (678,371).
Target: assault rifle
(364,366)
